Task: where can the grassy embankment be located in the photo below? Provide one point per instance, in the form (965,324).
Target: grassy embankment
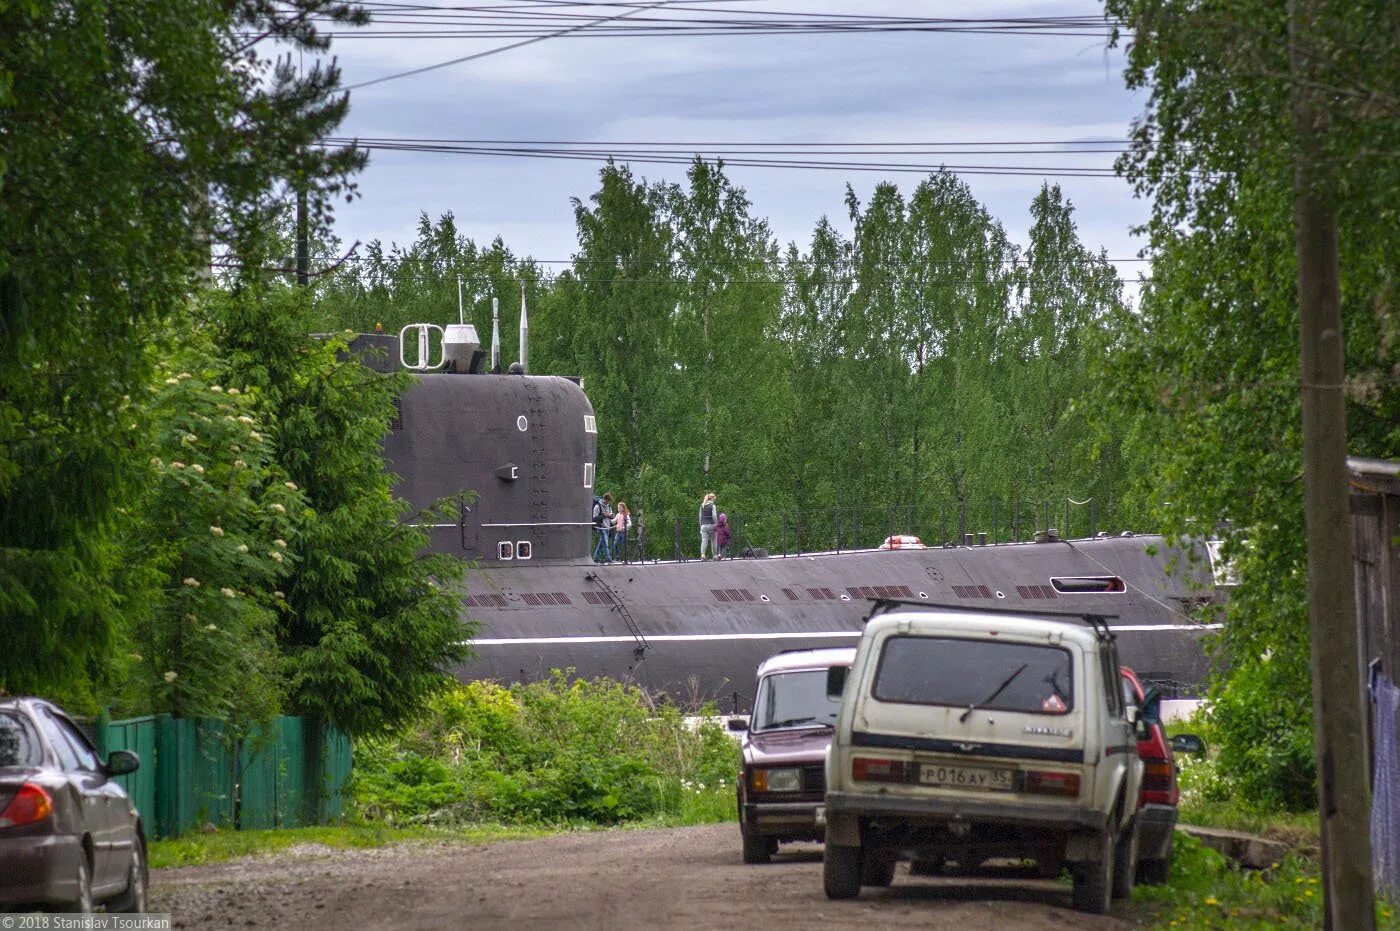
(487,763)
(1207,891)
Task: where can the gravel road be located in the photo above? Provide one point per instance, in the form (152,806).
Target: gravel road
(619,880)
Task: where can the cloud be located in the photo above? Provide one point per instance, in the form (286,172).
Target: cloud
(845,88)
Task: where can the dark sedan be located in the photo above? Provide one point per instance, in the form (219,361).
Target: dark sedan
(70,837)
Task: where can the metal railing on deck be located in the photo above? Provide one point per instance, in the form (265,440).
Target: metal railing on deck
(827,530)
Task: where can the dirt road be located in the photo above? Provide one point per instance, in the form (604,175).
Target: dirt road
(619,880)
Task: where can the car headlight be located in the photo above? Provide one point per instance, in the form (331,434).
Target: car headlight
(784,779)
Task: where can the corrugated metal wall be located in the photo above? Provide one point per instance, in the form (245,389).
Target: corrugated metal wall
(194,771)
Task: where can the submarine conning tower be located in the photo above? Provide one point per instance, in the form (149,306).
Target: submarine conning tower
(524,445)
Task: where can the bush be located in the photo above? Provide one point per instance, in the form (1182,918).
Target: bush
(1265,722)
(553,751)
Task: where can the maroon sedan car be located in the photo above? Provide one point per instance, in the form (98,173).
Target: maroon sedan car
(69,835)
(785,742)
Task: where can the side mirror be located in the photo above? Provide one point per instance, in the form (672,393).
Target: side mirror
(122,762)
(1188,743)
(836,680)
(1152,707)
(738,725)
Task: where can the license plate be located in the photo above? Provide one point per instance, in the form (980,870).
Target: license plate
(966,777)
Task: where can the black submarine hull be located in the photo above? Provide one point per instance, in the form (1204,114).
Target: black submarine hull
(516,455)
(697,630)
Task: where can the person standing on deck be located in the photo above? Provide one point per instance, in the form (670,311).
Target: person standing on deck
(622,523)
(602,522)
(722,537)
(709,515)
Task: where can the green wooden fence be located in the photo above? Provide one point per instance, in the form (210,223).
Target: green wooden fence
(195,771)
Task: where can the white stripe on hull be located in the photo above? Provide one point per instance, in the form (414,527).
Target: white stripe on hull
(798,635)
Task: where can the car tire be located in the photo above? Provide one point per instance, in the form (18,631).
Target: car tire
(877,869)
(841,871)
(1125,862)
(133,900)
(757,848)
(82,904)
(1093,879)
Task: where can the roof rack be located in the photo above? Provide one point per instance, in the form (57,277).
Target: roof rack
(1095,619)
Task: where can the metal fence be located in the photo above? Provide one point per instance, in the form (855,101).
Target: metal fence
(822,530)
(197,771)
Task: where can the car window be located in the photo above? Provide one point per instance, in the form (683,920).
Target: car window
(19,745)
(792,699)
(71,747)
(950,671)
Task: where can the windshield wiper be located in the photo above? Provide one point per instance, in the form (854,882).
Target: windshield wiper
(993,697)
(793,722)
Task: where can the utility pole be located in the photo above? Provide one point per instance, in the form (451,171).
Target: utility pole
(303,237)
(1339,727)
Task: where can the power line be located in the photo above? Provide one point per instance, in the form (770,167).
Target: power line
(784,260)
(503,48)
(546,20)
(733,158)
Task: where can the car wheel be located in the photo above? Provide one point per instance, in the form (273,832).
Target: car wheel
(1125,862)
(877,869)
(841,871)
(82,904)
(757,848)
(133,900)
(1093,879)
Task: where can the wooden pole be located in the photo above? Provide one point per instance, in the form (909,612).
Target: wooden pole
(1344,795)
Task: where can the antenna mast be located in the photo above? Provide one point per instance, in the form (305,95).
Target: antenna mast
(495,334)
(524,334)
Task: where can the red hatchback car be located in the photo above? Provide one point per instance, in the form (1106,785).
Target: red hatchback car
(69,835)
(1157,802)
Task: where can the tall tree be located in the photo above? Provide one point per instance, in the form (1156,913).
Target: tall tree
(131,134)
(1210,368)
(369,621)
(624,291)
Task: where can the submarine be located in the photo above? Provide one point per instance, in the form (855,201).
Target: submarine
(516,453)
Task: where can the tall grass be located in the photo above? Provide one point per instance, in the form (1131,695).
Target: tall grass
(549,752)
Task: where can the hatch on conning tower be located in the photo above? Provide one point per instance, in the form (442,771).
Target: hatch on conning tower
(458,349)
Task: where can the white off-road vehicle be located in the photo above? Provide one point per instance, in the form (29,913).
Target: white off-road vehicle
(967,735)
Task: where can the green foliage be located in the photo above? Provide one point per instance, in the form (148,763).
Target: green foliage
(550,752)
(1207,891)
(926,360)
(130,135)
(1207,372)
(369,620)
(213,543)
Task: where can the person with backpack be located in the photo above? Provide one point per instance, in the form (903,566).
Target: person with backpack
(602,522)
(709,516)
(722,537)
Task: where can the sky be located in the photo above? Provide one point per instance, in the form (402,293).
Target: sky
(891,87)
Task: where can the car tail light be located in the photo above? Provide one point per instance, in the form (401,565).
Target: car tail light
(1157,775)
(1047,783)
(870,769)
(30,805)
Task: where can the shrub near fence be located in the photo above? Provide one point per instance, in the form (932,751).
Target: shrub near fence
(195,771)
